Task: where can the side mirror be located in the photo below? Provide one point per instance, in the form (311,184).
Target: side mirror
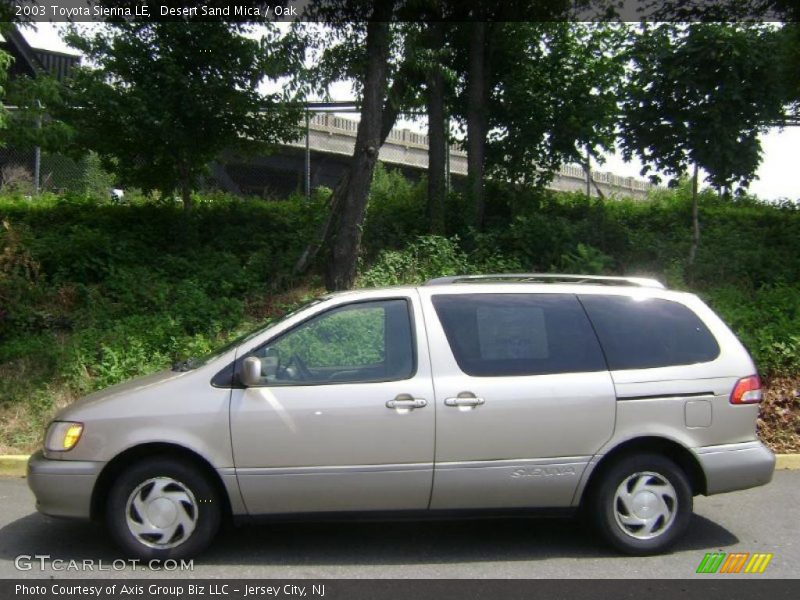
(270,362)
(251,371)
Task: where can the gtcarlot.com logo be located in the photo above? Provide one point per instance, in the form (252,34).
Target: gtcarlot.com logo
(43,562)
(735,562)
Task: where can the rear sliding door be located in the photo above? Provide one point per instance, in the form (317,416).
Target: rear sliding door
(523,398)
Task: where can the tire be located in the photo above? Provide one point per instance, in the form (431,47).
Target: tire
(163,508)
(642,504)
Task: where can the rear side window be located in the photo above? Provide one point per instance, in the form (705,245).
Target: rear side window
(647,333)
(493,335)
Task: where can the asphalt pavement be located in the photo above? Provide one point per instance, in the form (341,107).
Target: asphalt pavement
(764,519)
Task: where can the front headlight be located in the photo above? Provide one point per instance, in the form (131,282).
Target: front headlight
(62,436)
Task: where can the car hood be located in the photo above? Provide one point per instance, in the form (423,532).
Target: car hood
(127,388)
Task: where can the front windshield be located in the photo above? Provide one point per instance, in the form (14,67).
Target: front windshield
(195,362)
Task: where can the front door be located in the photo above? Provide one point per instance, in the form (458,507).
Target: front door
(523,398)
(344,418)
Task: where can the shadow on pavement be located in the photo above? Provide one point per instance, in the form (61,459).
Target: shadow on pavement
(353,543)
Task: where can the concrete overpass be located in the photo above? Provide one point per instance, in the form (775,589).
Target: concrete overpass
(331,141)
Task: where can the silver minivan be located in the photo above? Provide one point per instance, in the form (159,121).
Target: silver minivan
(465,395)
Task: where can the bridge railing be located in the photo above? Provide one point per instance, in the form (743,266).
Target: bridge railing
(335,134)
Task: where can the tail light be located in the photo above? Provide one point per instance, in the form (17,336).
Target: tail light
(747,391)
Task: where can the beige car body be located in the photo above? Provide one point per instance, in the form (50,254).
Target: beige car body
(533,442)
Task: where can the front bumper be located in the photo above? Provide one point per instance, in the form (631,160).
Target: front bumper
(735,466)
(63,488)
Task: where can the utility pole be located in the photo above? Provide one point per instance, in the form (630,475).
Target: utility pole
(37,155)
(308,159)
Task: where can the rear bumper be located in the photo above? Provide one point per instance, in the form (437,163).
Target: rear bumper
(63,488)
(735,466)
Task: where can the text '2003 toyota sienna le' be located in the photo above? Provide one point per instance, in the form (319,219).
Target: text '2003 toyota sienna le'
(469,394)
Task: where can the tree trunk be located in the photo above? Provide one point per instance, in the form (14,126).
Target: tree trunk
(476,119)
(695,219)
(350,200)
(587,168)
(389,118)
(186,189)
(389,114)
(321,235)
(186,196)
(437,136)
(394,98)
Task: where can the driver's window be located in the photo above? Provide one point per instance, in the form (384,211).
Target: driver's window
(362,342)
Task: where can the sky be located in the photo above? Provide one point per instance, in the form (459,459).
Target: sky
(778,176)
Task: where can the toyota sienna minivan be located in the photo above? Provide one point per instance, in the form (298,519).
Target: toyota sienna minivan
(465,395)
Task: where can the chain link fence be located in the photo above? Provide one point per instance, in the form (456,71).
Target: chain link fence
(31,171)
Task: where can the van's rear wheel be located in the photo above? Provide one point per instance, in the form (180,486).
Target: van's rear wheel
(642,505)
(162,508)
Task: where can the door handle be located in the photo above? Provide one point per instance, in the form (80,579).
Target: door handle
(406,401)
(464,399)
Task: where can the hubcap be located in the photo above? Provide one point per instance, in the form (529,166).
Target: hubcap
(161,512)
(645,505)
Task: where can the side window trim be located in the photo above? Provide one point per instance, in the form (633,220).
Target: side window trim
(594,331)
(236,383)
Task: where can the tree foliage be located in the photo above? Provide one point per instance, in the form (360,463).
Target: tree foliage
(553,95)
(701,95)
(5,61)
(30,124)
(160,101)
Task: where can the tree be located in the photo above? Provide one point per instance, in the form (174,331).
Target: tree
(555,97)
(436,94)
(164,99)
(477,92)
(789,64)
(6,19)
(549,95)
(511,55)
(367,53)
(417,58)
(700,96)
(30,125)
(5,61)
(345,232)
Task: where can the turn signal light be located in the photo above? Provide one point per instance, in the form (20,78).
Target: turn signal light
(747,391)
(62,436)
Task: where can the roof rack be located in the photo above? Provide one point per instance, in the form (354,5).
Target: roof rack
(548,278)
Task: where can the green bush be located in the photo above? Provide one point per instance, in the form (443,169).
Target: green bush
(426,257)
(395,213)
(585,259)
(93,293)
(767,320)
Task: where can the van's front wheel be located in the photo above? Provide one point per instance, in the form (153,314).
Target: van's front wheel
(162,508)
(642,505)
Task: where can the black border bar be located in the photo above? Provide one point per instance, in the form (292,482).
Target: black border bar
(730,588)
(260,11)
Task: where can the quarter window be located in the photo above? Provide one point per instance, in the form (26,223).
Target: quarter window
(646,333)
(493,335)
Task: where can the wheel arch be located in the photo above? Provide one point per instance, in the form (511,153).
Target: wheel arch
(131,455)
(678,453)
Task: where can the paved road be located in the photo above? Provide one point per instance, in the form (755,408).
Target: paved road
(760,520)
